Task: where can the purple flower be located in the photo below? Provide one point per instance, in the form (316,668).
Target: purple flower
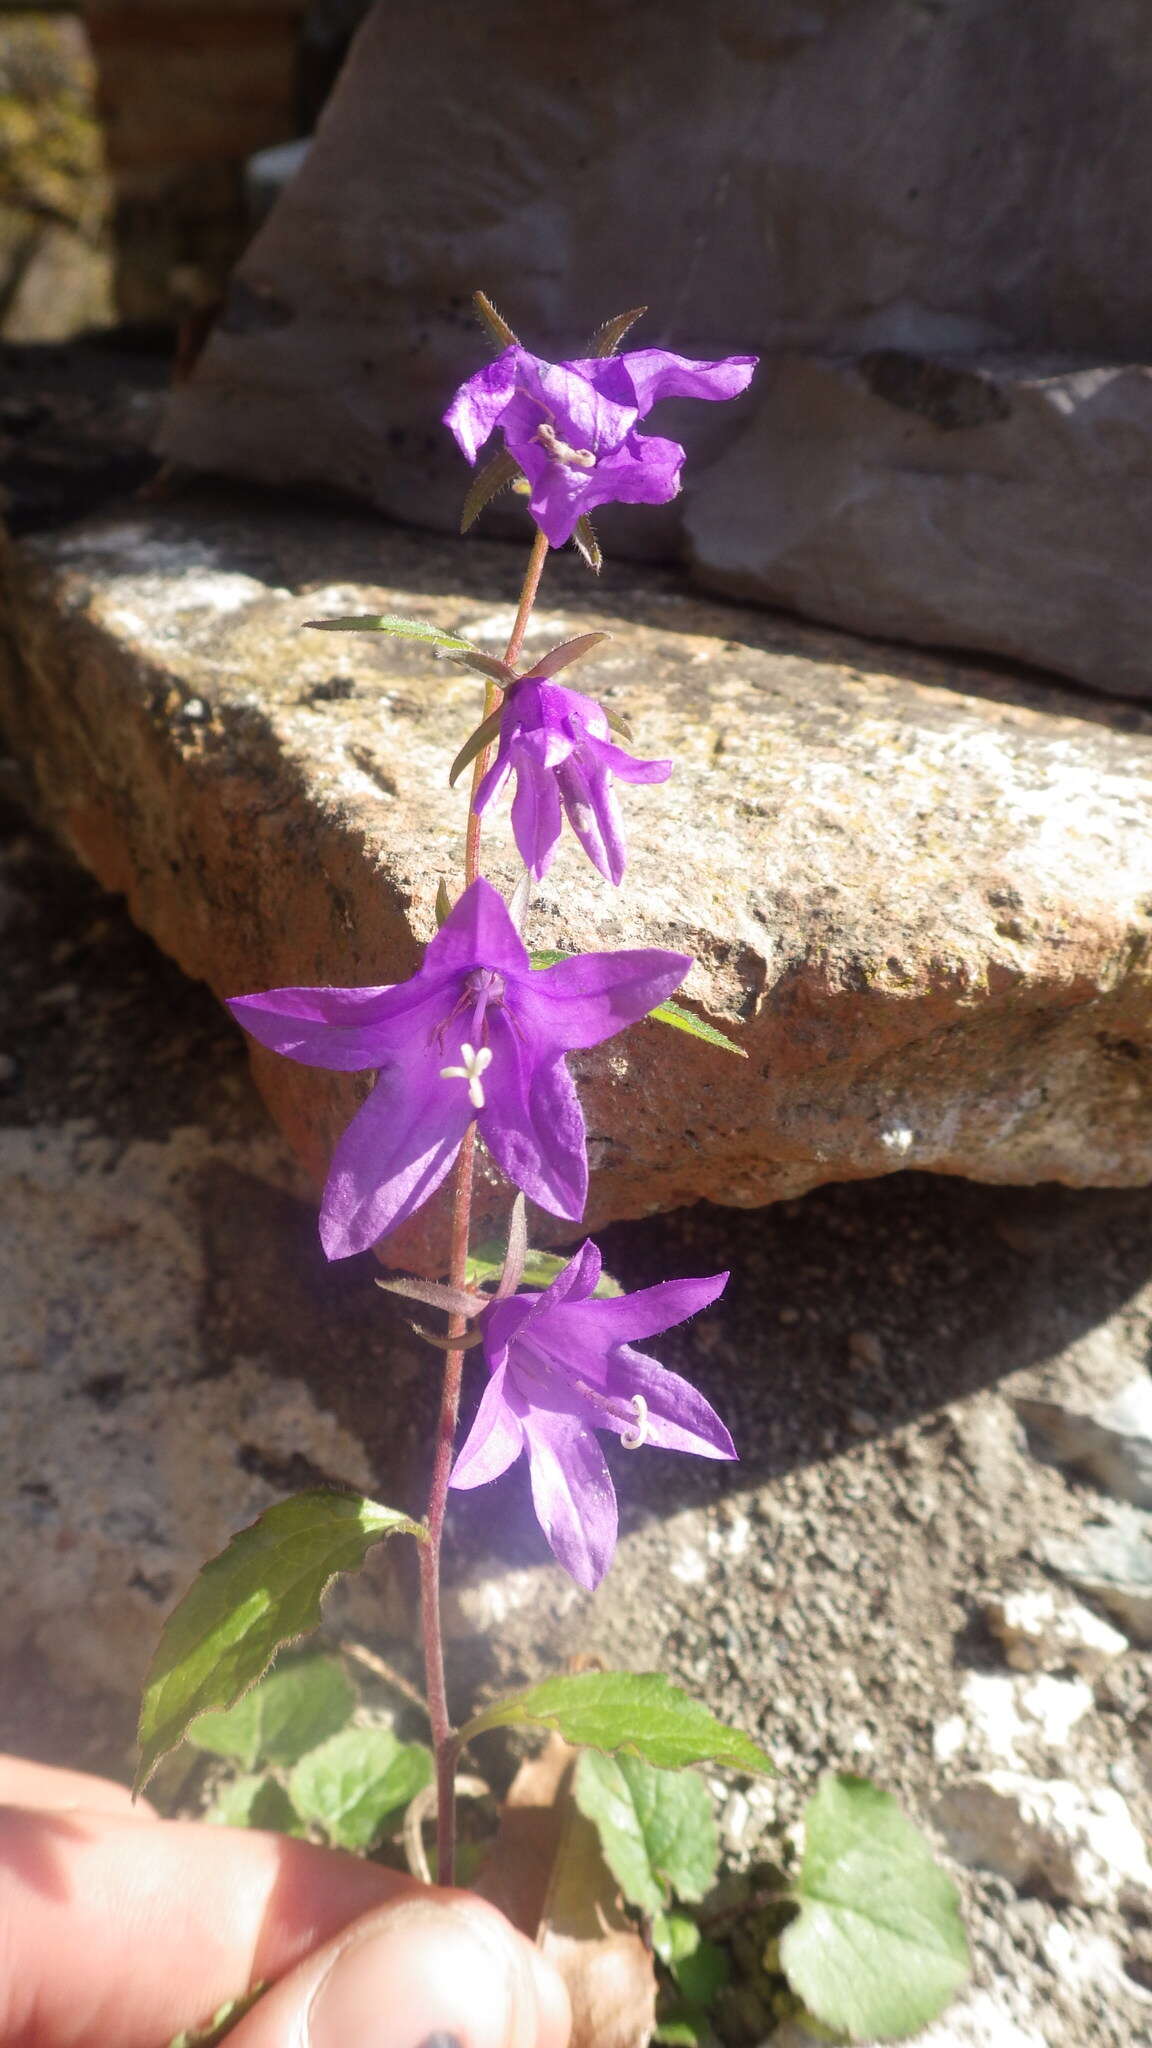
(557,744)
(474,1033)
(572,426)
(562,1366)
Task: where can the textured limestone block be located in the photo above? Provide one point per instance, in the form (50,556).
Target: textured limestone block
(919,896)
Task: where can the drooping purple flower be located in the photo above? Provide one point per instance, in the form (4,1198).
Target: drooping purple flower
(475,1033)
(572,426)
(557,744)
(562,1366)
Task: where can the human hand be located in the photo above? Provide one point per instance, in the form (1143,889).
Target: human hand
(120,1930)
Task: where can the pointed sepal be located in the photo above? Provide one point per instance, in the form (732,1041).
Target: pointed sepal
(475,744)
(568,651)
(498,472)
(443,903)
(493,323)
(607,338)
(586,542)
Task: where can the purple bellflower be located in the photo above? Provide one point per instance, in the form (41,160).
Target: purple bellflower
(572,426)
(475,1033)
(557,744)
(562,1366)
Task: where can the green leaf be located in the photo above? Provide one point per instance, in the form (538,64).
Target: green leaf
(486,1264)
(400,629)
(255,1802)
(351,1784)
(263,1591)
(288,1713)
(696,1027)
(638,1713)
(656,1828)
(878,1948)
(547,958)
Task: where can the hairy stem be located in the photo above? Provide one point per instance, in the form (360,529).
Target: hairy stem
(443,1739)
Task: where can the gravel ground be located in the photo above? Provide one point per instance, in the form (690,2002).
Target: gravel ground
(829,1593)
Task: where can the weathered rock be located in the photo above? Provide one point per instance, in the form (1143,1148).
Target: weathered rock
(126,1461)
(1000,1716)
(55,256)
(920,898)
(961,501)
(1112,1445)
(1046,1631)
(846,187)
(1081,1845)
(1111,1561)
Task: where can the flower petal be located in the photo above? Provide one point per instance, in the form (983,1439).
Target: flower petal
(480,402)
(479,932)
(678,1417)
(626,767)
(496,1437)
(572,1494)
(393,1156)
(623,1318)
(579,1002)
(536,816)
(653,374)
(346,1029)
(594,814)
(532,1122)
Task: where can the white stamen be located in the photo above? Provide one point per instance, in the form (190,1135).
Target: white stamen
(633,1438)
(476,1062)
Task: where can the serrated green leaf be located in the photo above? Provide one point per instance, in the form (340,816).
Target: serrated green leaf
(352,1783)
(289,1712)
(255,1802)
(635,1713)
(878,1948)
(262,1592)
(400,629)
(656,1828)
(486,1264)
(696,1027)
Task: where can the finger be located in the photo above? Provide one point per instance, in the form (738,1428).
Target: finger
(27,1784)
(438,1970)
(118,1934)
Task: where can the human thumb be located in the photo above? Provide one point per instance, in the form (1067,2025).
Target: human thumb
(439,1969)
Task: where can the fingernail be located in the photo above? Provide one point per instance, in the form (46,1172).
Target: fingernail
(425,1976)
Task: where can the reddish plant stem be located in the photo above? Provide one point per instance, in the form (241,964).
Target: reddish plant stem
(531,585)
(443,1739)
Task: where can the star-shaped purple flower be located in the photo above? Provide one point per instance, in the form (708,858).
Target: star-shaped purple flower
(572,426)
(562,1366)
(474,1033)
(557,744)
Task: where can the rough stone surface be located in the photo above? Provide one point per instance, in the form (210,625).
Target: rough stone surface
(1082,1845)
(1112,1445)
(919,897)
(1111,1561)
(55,255)
(845,186)
(1043,1630)
(961,501)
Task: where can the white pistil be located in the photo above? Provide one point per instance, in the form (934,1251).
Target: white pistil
(476,1061)
(562,451)
(633,1438)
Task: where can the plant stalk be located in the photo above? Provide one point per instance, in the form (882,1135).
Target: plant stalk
(443,1738)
